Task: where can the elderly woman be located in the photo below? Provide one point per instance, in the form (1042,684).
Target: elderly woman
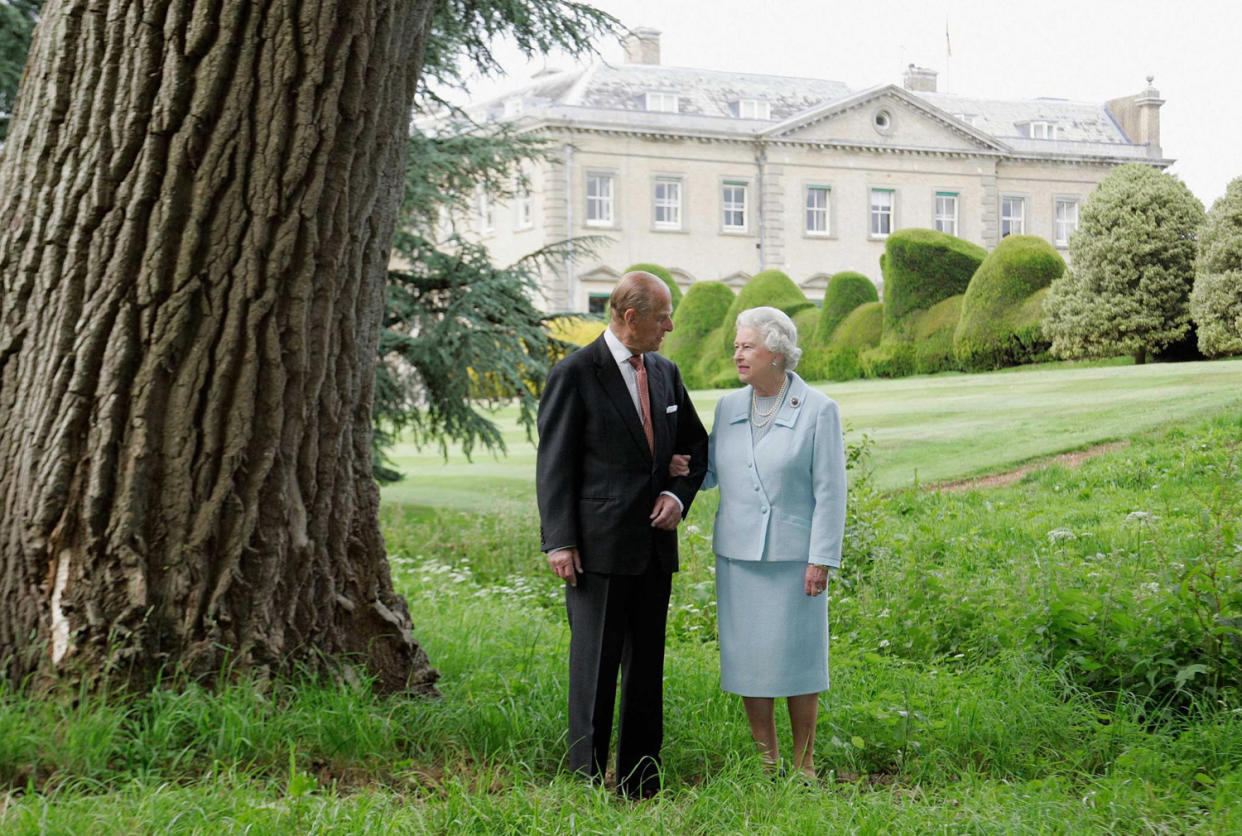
(777,454)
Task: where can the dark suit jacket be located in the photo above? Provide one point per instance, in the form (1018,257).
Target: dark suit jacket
(597,481)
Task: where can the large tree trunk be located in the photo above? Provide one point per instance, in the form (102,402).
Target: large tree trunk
(196,205)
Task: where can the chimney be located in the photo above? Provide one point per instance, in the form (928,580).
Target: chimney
(1139,117)
(920,79)
(642,46)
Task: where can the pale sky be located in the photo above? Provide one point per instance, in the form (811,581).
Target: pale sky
(1085,50)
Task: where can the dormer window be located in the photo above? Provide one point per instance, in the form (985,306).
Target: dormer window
(1040,130)
(660,102)
(752,109)
(968,118)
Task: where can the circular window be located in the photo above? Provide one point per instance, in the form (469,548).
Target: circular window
(882,121)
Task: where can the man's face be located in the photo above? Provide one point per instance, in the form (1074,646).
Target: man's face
(646,331)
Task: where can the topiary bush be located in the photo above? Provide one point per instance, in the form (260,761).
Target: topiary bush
(701,312)
(998,327)
(888,360)
(664,275)
(922,267)
(843,364)
(1216,300)
(933,337)
(861,329)
(845,292)
(772,288)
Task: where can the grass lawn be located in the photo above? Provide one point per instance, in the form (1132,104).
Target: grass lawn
(925,428)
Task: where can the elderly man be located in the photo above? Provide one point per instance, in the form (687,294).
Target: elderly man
(611,417)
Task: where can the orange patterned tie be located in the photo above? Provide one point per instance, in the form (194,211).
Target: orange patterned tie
(644,399)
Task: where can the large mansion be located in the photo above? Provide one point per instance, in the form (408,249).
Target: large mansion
(718,175)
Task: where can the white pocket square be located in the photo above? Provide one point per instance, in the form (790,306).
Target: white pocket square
(671,408)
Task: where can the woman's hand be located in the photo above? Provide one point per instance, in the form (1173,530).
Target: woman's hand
(679,465)
(816,579)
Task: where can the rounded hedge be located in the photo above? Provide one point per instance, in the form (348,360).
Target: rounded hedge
(845,292)
(1216,299)
(933,337)
(861,329)
(770,287)
(702,311)
(922,267)
(664,275)
(998,327)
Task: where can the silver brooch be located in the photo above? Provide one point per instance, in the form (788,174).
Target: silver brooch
(794,402)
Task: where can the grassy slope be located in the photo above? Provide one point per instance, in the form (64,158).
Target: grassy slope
(935,428)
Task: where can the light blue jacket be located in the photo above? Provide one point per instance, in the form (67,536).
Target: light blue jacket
(784,498)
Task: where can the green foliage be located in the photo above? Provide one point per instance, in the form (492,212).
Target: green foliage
(1216,300)
(17,23)
(843,364)
(888,360)
(664,275)
(845,292)
(999,326)
(701,312)
(933,336)
(922,267)
(770,287)
(861,329)
(1132,265)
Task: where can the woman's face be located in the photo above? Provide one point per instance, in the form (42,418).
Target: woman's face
(755,363)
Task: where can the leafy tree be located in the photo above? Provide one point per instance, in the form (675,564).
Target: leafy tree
(1131,268)
(17,22)
(1216,300)
(191,301)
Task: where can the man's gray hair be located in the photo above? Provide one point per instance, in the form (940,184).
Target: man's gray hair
(779,334)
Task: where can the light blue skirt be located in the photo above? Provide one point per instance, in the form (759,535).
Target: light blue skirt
(773,636)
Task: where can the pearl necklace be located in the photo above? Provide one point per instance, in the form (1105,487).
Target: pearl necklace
(767,417)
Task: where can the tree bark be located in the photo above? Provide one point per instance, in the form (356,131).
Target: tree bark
(197,201)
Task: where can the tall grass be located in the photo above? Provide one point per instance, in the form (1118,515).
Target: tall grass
(964,698)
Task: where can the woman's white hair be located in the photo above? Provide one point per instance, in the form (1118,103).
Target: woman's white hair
(777,330)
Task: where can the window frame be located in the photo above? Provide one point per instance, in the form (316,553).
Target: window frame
(1002,219)
(872,214)
(1057,202)
(762,109)
(663,96)
(485,212)
(609,200)
(678,206)
(956,195)
(743,228)
(826,191)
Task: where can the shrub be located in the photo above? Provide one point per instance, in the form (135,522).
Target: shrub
(888,360)
(997,327)
(772,288)
(922,267)
(1216,300)
(843,364)
(1127,290)
(933,337)
(845,292)
(714,369)
(701,312)
(579,330)
(861,329)
(664,275)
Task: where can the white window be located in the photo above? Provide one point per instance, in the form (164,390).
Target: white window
(662,102)
(753,109)
(946,212)
(523,208)
(1013,216)
(513,106)
(1066,220)
(1042,130)
(487,216)
(599,200)
(881,212)
(667,214)
(817,216)
(733,200)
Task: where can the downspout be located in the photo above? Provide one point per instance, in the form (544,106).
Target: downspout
(569,228)
(761,158)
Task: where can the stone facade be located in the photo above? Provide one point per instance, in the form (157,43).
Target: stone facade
(719,175)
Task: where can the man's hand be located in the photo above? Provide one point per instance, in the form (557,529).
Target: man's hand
(566,564)
(666,514)
(679,465)
(816,579)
